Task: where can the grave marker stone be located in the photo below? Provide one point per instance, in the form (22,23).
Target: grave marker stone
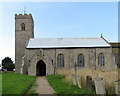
(74,79)
(99,85)
(89,84)
(78,79)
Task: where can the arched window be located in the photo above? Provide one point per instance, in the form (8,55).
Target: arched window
(60,61)
(80,60)
(101,59)
(23,27)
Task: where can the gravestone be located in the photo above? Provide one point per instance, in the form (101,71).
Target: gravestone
(78,79)
(74,79)
(89,84)
(117,87)
(100,85)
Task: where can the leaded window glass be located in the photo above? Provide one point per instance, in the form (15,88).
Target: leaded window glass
(80,60)
(60,61)
(101,59)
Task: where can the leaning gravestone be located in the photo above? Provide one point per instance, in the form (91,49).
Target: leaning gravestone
(100,85)
(89,84)
(74,79)
(78,79)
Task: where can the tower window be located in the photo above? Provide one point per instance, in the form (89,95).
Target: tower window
(23,27)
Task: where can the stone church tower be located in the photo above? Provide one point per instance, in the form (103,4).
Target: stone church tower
(24,30)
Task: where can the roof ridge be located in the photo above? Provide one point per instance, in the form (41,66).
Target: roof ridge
(67,38)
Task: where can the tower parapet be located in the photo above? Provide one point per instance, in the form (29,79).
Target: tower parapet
(23,16)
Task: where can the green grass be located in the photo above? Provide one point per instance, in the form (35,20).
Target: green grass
(59,84)
(32,91)
(16,83)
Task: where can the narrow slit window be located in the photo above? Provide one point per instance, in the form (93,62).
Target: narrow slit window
(101,59)
(80,60)
(60,61)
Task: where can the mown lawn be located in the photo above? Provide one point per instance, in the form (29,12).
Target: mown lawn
(61,87)
(16,83)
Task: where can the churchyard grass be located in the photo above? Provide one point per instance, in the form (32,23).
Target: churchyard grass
(109,77)
(32,90)
(16,83)
(61,87)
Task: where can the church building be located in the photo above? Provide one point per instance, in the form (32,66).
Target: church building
(44,56)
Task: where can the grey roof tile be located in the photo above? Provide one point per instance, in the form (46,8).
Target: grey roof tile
(66,42)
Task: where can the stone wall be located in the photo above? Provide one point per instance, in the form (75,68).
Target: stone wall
(49,56)
(36,55)
(115,51)
(109,59)
(22,37)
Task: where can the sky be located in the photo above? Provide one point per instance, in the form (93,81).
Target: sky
(59,20)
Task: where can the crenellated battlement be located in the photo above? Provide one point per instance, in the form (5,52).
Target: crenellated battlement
(23,16)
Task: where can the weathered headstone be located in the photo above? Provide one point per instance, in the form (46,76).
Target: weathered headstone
(119,87)
(74,79)
(99,85)
(78,80)
(116,86)
(89,84)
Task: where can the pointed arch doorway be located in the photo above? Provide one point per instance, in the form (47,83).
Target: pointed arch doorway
(41,68)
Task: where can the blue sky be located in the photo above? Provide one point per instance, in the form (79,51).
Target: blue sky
(60,20)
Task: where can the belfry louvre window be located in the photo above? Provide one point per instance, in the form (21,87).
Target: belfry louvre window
(101,59)
(23,27)
(60,61)
(80,60)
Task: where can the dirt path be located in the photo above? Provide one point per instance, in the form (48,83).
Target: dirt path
(43,86)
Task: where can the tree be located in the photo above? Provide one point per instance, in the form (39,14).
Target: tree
(7,63)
